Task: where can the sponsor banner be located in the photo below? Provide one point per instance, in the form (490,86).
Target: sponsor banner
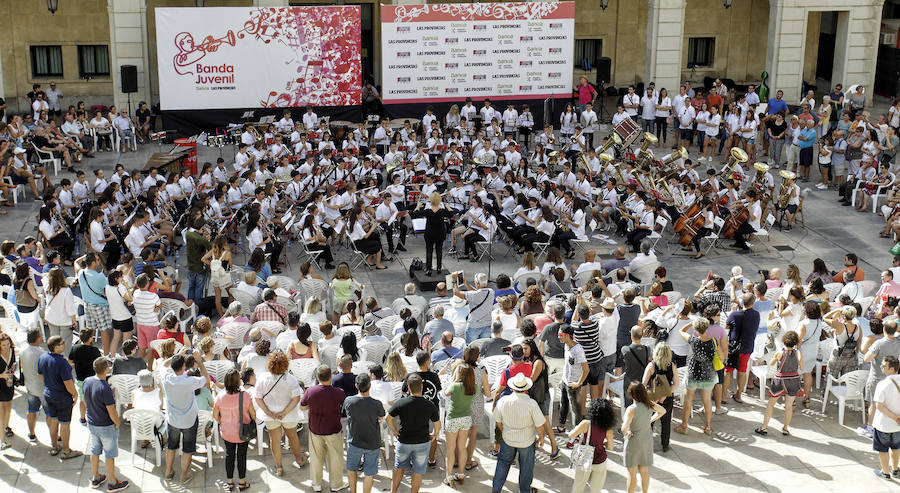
(223,57)
(437,52)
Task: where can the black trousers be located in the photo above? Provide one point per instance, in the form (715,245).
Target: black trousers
(665,423)
(389,232)
(64,245)
(113,252)
(325,249)
(235,452)
(471,240)
(530,239)
(563,239)
(701,233)
(433,246)
(740,236)
(661,128)
(635,237)
(274,249)
(519,232)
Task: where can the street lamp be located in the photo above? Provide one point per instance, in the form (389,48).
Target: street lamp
(52,6)
(727,3)
(604,4)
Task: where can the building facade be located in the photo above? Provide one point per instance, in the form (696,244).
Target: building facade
(83,45)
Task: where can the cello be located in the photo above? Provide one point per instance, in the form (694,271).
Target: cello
(682,221)
(738,216)
(692,225)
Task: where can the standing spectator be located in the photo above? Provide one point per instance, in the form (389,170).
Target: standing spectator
(34,384)
(458,421)
(59,396)
(522,418)
(663,364)
(742,326)
(60,311)
(277,393)
(227,412)
(575,372)
(103,424)
(415,413)
(637,424)
(886,422)
(119,299)
(7,386)
(82,357)
(324,402)
(635,358)
(431,388)
(146,315)
(96,306)
(363,434)
(701,373)
(480,300)
(181,411)
(586,93)
(888,345)
(788,362)
(53,96)
(599,430)
(197,246)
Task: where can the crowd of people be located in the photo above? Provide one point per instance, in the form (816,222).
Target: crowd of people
(97,292)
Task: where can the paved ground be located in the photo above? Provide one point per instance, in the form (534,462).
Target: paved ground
(820,456)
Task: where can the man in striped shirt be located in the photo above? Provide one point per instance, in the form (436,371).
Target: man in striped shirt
(587,334)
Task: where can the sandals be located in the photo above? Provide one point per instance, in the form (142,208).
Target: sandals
(806,403)
(229,485)
(459,478)
(279,471)
(243,485)
(472,465)
(380,268)
(555,454)
(785,432)
(707,430)
(448,481)
(761,431)
(54,451)
(681,429)
(9,432)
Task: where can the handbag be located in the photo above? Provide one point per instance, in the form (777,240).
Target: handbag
(583,453)
(717,362)
(248,430)
(659,387)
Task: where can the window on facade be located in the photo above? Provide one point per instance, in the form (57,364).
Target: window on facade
(93,61)
(701,52)
(587,51)
(46,61)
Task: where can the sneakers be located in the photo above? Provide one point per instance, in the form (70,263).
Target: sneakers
(721,410)
(865,431)
(96,482)
(317,487)
(881,474)
(821,186)
(121,485)
(343,487)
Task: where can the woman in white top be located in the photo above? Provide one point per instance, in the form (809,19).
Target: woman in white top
(60,312)
(452,118)
(543,232)
(528,266)
(277,394)
(256,239)
(56,234)
(567,121)
(702,117)
(713,120)
(102,130)
(663,112)
(118,296)
(101,241)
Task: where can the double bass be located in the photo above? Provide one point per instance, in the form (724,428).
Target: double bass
(738,216)
(692,225)
(692,211)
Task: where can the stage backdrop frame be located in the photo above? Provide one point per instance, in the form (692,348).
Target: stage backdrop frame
(442,53)
(215,58)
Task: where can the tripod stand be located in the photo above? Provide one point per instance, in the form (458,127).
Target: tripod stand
(603,115)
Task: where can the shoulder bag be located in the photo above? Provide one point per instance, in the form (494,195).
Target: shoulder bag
(583,453)
(247,430)
(717,362)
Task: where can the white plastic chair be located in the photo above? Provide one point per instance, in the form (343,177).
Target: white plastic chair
(361,367)
(680,390)
(616,385)
(219,368)
(386,325)
(186,314)
(248,301)
(763,373)
(143,426)
(203,418)
(672,297)
(826,347)
(521,283)
(849,387)
(122,386)
(868,287)
(654,235)
(376,352)
(834,289)
(47,160)
(764,231)
(156,345)
(328,355)
(712,239)
(304,370)
(285,282)
(494,366)
(236,332)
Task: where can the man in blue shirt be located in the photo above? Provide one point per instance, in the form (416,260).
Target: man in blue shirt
(59,396)
(777,104)
(446,351)
(182,411)
(96,307)
(807,140)
(103,423)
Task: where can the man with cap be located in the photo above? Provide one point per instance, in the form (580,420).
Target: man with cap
(522,418)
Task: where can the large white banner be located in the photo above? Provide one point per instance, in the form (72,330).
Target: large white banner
(445,52)
(224,57)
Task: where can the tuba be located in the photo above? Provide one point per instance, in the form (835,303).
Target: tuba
(785,195)
(680,153)
(761,170)
(644,154)
(396,162)
(736,155)
(613,140)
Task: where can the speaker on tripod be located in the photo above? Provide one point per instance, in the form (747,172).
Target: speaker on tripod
(604,72)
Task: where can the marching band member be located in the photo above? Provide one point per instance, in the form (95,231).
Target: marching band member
(512,155)
(488,113)
(81,190)
(326,143)
(619,116)
(365,240)
(429,187)
(277,149)
(543,230)
(546,139)
(294,189)
(286,124)
(575,225)
(751,225)
(316,241)
(428,118)
(642,227)
(494,134)
(303,148)
(219,173)
(577,144)
(387,216)
(434,146)
(310,119)
(139,236)
(451,120)
(705,227)
(100,183)
(792,204)
(382,137)
(56,234)
(477,230)
(589,123)
(493,181)
(510,120)
(468,112)
(256,238)
(566,177)
(100,241)
(608,203)
(248,188)
(186,182)
(234,196)
(531,218)
(526,124)
(249,136)
(243,160)
(567,121)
